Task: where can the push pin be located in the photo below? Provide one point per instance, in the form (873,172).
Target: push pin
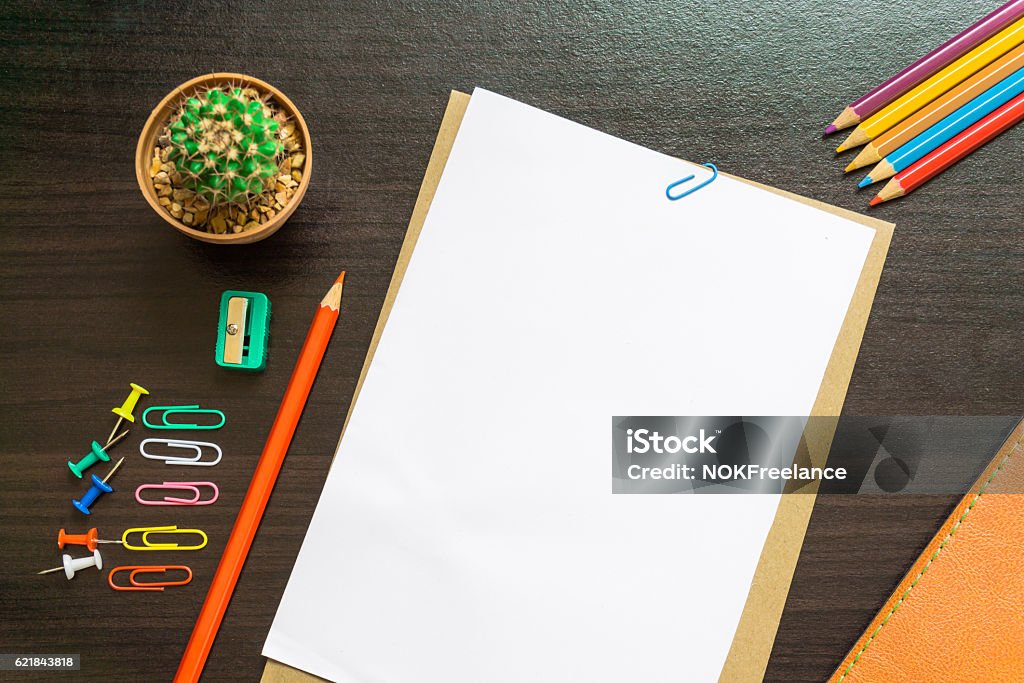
(72,565)
(89,539)
(99,486)
(125,411)
(98,454)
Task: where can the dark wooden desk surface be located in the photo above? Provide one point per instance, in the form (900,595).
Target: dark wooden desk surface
(97,291)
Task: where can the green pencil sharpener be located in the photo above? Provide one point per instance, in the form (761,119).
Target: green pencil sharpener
(244,331)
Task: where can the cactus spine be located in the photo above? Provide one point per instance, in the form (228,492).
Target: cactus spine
(224,145)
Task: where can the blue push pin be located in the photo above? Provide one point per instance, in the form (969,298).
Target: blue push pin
(98,454)
(99,486)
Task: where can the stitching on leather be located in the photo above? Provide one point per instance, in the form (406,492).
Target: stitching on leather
(938,550)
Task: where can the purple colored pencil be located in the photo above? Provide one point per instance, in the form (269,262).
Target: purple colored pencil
(929,64)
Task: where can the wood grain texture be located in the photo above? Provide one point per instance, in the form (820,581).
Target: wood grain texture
(747,85)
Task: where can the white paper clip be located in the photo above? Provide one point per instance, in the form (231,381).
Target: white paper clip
(197,448)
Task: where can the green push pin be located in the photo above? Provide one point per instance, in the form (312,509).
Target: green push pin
(98,454)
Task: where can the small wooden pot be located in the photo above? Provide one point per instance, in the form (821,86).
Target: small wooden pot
(158,121)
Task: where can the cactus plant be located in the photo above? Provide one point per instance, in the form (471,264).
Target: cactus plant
(224,145)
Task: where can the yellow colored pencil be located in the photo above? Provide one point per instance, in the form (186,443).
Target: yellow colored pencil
(933,88)
(925,118)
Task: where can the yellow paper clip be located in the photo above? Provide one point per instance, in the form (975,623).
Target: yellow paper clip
(147,545)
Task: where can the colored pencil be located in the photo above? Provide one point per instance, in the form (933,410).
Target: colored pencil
(256,497)
(907,130)
(953,48)
(933,88)
(957,122)
(951,152)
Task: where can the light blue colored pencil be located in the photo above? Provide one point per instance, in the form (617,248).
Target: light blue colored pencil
(949,127)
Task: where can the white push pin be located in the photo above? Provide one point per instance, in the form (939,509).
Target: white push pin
(72,565)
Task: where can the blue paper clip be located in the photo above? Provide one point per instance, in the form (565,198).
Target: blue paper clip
(674,197)
(165,411)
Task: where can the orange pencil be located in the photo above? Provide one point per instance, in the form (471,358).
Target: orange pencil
(249,516)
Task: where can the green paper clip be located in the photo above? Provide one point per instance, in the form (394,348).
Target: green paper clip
(243,331)
(183,410)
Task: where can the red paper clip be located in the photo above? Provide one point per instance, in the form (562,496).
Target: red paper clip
(148,585)
(190,486)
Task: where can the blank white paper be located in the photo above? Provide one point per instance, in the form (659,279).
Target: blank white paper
(467,532)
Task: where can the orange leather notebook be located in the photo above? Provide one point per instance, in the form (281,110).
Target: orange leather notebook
(958,614)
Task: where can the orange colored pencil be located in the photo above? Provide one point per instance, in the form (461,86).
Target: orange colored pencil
(269,465)
(978,135)
(907,130)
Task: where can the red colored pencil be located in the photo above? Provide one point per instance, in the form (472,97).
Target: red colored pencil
(267,468)
(949,153)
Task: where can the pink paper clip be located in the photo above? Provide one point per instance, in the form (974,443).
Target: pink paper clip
(190,486)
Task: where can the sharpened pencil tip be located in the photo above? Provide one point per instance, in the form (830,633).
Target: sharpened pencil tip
(865,181)
(842,147)
(831,129)
(851,167)
(333,297)
(876,201)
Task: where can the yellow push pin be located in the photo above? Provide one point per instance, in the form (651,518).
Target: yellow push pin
(124,412)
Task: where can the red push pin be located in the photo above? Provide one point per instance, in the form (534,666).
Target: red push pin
(89,539)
